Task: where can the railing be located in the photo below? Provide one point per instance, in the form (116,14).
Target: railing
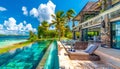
(111,13)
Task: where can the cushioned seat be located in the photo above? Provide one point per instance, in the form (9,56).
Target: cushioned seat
(91,48)
(83,54)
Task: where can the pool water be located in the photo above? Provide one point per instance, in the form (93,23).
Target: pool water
(27,57)
(52,60)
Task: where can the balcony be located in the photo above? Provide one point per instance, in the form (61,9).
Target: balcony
(111,14)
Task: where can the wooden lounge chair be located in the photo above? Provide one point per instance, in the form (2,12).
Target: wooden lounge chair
(87,54)
(80,45)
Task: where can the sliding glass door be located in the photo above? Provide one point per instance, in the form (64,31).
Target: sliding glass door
(115,33)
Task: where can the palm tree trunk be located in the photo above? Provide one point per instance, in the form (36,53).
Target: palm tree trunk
(63,33)
(59,35)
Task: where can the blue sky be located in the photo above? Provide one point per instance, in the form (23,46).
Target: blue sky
(20,16)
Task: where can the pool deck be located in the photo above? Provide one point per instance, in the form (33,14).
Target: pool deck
(66,63)
(64,60)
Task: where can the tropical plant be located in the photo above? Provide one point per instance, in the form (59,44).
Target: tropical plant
(51,33)
(59,21)
(40,31)
(32,36)
(70,14)
(45,26)
(43,29)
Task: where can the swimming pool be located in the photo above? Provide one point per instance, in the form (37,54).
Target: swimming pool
(52,60)
(27,57)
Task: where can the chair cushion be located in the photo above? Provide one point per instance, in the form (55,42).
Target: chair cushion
(88,48)
(91,48)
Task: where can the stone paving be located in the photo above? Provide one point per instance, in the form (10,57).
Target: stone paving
(66,63)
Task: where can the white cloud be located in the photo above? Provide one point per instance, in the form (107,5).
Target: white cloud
(2,32)
(10,27)
(34,30)
(34,12)
(24,22)
(44,11)
(10,24)
(29,27)
(20,27)
(1,26)
(2,9)
(24,9)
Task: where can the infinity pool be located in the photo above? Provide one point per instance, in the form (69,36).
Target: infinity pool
(25,58)
(52,60)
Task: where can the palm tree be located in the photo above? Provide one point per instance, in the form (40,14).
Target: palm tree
(58,21)
(32,36)
(70,14)
(45,26)
(40,31)
(43,29)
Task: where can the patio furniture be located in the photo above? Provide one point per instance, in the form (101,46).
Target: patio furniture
(80,45)
(87,54)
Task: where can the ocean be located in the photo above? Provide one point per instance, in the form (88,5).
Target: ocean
(9,40)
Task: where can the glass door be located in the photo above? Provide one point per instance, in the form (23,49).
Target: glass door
(116,35)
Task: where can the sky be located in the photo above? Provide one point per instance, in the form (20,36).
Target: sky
(20,16)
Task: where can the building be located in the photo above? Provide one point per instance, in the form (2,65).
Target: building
(100,19)
(106,26)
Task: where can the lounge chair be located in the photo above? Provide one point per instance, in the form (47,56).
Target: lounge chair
(87,54)
(80,45)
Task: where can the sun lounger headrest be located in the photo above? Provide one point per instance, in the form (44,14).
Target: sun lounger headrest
(91,48)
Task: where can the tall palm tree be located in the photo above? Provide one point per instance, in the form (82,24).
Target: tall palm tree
(58,21)
(40,31)
(45,26)
(70,14)
(43,29)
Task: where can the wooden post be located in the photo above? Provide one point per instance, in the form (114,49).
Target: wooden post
(74,36)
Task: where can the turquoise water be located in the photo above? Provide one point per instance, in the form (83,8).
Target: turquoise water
(52,61)
(9,40)
(25,58)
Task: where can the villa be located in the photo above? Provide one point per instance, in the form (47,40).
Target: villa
(94,44)
(100,22)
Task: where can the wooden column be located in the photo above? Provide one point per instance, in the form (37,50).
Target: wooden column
(74,36)
(109,4)
(80,34)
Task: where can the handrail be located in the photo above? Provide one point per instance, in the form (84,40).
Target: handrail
(114,11)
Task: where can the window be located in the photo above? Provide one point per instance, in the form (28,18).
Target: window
(116,35)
